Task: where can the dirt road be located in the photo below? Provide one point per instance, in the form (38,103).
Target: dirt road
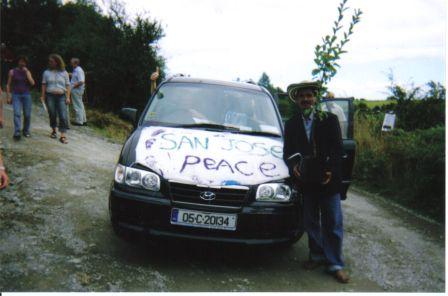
(55,235)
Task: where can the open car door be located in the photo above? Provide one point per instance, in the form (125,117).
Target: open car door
(343,108)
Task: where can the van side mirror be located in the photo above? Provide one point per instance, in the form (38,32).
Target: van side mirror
(129,114)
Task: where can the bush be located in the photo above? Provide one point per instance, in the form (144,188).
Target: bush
(417,166)
(109,125)
(406,166)
(420,114)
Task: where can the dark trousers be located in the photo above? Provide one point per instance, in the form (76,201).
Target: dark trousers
(323,224)
(57,108)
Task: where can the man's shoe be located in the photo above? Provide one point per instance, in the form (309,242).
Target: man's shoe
(311,264)
(26,134)
(16,137)
(341,276)
(77,124)
(85,124)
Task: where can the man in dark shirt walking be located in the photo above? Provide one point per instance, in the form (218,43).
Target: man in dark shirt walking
(316,135)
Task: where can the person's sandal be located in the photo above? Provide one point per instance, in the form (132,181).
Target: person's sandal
(341,276)
(63,140)
(53,135)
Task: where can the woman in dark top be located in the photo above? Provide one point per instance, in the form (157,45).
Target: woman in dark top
(21,80)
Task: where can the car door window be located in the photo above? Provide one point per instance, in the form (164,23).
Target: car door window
(341,109)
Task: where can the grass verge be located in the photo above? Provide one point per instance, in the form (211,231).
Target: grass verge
(108,125)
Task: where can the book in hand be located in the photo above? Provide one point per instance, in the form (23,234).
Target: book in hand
(309,168)
(293,161)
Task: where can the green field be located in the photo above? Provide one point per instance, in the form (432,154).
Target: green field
(374,103)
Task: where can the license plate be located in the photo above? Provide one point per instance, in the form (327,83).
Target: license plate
(203,219)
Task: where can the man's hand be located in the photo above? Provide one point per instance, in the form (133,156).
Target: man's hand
(327,178)
(8,99)
(67,101)
(4,180)
(153,78)
(296,171)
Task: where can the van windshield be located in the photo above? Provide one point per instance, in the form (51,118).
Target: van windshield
(191,104)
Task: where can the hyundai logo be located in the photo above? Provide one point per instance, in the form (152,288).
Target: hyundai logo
(207,195)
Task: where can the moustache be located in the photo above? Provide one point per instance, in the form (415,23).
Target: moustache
(306,102)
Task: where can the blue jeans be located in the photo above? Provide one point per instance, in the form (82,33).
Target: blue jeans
(323,224)
(57,108)
(21,103)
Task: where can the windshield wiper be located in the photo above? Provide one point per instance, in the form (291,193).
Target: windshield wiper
(210,125)
(259,133)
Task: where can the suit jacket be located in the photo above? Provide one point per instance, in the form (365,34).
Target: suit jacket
(325,144)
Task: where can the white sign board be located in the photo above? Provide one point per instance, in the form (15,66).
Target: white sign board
(389,122)
(211,158)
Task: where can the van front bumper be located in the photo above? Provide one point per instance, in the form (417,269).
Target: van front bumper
(257,222)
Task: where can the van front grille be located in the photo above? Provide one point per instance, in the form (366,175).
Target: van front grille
(223,196)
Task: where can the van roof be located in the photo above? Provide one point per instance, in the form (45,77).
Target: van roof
(244,85)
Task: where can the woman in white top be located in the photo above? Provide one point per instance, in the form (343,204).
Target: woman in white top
(56,95)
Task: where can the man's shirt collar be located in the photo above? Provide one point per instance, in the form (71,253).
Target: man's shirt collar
(311,117)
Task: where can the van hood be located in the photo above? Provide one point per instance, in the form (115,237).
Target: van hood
(210,158)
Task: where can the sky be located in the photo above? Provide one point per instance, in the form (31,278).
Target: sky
(230,39)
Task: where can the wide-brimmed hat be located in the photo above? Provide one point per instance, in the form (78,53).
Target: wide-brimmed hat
(308,84)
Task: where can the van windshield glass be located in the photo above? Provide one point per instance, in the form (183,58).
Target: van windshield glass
(216,106)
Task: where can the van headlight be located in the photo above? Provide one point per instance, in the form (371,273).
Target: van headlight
(137,178)
(273,192)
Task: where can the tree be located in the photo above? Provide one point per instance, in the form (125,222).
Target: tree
(399,93)
(265,82)
(117,54)
(329,52)
(417,107)
(436,91)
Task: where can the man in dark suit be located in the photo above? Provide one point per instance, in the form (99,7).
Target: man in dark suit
(316,135)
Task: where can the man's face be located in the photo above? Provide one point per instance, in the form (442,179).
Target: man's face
(73,63)
(305,98)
